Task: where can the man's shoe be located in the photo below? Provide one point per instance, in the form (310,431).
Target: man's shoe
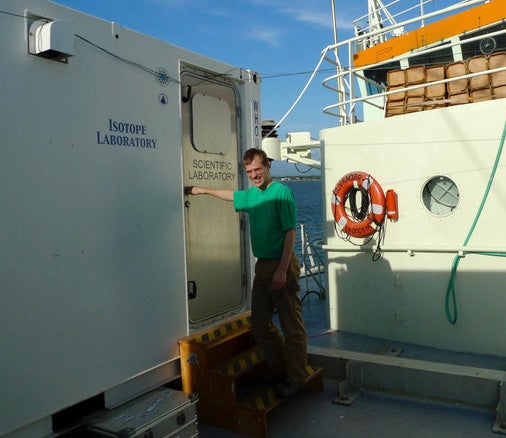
(288,389)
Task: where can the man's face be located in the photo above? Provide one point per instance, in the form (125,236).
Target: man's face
(258,173)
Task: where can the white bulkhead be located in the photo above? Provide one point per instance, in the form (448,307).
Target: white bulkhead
(98,141)
(404,295)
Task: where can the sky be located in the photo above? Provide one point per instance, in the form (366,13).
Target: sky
(281,39)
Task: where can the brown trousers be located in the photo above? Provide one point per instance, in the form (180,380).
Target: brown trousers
(284,353)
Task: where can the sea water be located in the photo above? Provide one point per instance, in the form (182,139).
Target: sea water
(309,200)
(308,197)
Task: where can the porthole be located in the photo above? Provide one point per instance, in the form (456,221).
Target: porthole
(440,195)
(487,45)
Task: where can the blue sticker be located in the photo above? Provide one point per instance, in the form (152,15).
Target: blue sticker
(163,99)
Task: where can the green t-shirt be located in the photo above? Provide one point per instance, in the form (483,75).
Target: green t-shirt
(271,213)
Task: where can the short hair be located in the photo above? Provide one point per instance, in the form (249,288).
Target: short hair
(251,153)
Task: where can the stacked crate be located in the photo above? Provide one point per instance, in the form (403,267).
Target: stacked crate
(436,94)
(415,75)
(479,86)
(498,80)
(396,102)
(457,90)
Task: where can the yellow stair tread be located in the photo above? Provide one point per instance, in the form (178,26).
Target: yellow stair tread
(221,331)
(264,399)
(240,363)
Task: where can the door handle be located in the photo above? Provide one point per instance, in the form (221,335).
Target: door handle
(192,290)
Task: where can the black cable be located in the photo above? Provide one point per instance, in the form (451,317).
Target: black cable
(358,214)
(303,171)
(159,75)
(281,75)
(353,212)
(13,14)
(156,73)
(377,254)
(148,70)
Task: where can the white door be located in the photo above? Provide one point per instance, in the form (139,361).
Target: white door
(216,285)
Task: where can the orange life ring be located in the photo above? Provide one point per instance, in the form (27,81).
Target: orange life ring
(372,193)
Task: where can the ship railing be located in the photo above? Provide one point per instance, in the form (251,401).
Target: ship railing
(312,259)
(399,27)
(364,24)
(411,251)
(349,102)
(353,102)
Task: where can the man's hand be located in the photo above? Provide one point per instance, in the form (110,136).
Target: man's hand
(192,190)
(279,279)
(224,194)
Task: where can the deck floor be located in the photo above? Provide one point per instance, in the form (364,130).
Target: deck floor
(372,414)
(311,415)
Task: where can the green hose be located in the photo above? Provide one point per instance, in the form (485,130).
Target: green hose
(451,300)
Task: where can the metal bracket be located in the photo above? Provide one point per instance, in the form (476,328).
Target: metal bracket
(388,350)
(193,359)
(352,387)
(500,420)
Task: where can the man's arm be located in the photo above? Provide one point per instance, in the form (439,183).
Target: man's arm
(226,195)
(279,278)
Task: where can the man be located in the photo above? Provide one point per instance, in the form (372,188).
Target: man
(272,216)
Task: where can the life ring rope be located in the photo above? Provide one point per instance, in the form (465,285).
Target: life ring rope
(370,217)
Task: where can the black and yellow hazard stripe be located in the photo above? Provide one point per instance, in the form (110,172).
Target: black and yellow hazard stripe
(242,363)
(223,330)
(266,398)
(310,370)
(263,400)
